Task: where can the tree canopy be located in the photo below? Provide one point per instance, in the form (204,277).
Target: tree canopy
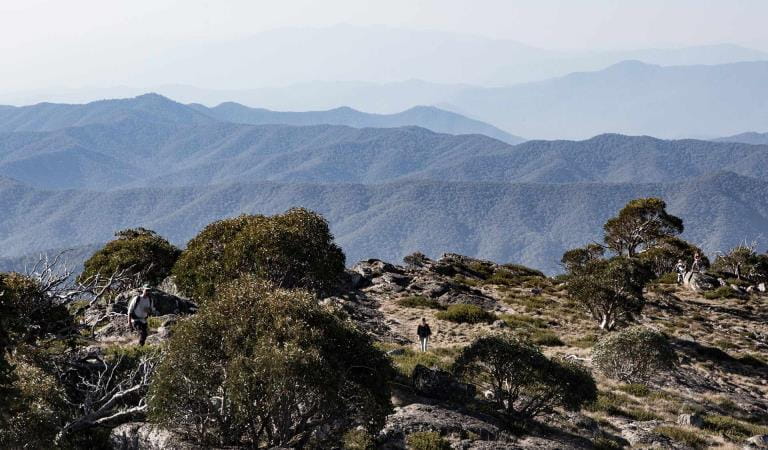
(610,289)
(265,365)
(145,255)
(641,223)
(524,382)
(292,250)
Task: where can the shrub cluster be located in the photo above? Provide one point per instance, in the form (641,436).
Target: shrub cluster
(264,364)
(141,252)
(292,250)
(463,313)
(525,383)
(633,355)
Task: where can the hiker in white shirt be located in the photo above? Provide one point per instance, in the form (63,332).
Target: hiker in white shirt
(680,269)
(139,310)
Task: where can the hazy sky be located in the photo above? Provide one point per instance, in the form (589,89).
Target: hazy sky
(39,39)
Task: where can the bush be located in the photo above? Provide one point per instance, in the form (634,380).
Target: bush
(636,389)
(418,301)
(545,338)
(405,362)
(743,262)
(611,290)
(292,250)
(721,292)
(145,255)
(263,358)
(427,440)
(733,429)
(690,438)
(633,355)
(524,382)
(466,314)
(358,440)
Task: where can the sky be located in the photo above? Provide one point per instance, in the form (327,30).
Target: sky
(42,41)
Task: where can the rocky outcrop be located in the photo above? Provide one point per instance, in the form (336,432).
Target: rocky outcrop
(144,436)
(700,282)
(440,384)
(759,441)
(453,424)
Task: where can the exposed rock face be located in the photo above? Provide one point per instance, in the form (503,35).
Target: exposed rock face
(642,434)
(691,420)
(144,436)
(419,417)
(440,384)
(759,441)
(699,282)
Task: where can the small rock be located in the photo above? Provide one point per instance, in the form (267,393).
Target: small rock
(691,420)
(499,324)
(759,441)
(761,287)
(396,352)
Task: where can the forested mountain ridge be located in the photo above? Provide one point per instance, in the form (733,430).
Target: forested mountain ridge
(530,223)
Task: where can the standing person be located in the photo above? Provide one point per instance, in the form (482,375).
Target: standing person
(139,310)
(696,266)
(424,333)
(680,269)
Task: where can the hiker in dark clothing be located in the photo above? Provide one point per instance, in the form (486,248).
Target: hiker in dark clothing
(424,333)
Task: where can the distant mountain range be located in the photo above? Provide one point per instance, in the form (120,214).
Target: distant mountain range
(72,175)
(378,54)
(155,147)
(428,117)
(746,138)
(630,97)
(527,223)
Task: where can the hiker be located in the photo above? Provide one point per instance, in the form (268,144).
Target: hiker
(139,310)
(696,266)
(680,269)
(424,333)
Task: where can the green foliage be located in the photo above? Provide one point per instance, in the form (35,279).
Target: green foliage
(610,403)
(731,428)
(466,314)
(577,258)
(143,253)
(427,440)
(633,355)
(419,301)
(636,389)
(604,443)
(358,440)
(585,341)
(264,358)
(642,223)
(611,290)
(662,256)
(743,262)
(38,409)
(720,293)
(690,438)
(546,338)
(292,250)
(405,362)
(525,383)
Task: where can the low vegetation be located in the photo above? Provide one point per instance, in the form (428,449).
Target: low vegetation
(633,355)
(523,381)
(466,314)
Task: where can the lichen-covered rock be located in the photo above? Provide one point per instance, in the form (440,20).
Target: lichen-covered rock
(691,420)
(420,417)
(144,436)
(700,282)
(759,441)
